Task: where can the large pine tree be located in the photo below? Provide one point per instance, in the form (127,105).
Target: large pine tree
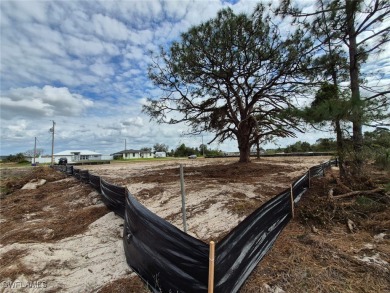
(234,76)
(363,27)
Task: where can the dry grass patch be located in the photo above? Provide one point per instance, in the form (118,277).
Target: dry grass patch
(131,284)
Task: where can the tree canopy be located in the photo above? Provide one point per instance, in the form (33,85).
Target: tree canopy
(31,153)
(354,30)
(234,76)
(160,147)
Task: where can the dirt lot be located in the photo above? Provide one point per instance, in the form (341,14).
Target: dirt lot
(60,237)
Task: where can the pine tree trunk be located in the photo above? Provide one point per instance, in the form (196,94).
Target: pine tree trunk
(340,148)
(243,144)
(357,111)
(244,155)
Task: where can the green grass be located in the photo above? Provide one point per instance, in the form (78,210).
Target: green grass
(365,201)
(150,159)
(15,165)
(387,187)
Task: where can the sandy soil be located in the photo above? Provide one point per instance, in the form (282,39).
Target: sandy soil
(219,192)
(61,238)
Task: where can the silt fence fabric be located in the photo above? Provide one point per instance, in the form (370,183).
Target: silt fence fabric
(238,253)
(300,186)
(114,197)
(69,170)
(84,176)
(76,173)
(316,171)
(169,260)
(95,182)
(166,258)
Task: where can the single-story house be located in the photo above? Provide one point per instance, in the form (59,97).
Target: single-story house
(160,154)
(71,156)
(133,154)
(74,156)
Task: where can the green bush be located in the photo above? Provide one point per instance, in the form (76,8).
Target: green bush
(382,159)
(18,158)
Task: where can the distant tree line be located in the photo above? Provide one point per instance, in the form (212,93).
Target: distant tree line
(376,147)
(321,145)
(184,151)
(17,158)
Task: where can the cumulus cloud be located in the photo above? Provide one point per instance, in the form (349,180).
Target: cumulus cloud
(18,126)
(108,27)
(102,69)
(88,60)
(136,121)
(34,102)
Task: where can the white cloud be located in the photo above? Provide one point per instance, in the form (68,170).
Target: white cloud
(101,69)
(90,47)
(135,53)
(110,28)
(88,60)
(27,11)
(136,121)
(34,102)
(141,37)
(175,11)
(19,126)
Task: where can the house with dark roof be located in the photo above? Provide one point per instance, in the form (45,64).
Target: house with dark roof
(132,154)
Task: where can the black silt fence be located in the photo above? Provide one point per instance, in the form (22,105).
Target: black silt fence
(169,260)
(114,197)
(166,258)
(76,173)
(238,253)
(84,176)
(69,170)
(300,186)
(316,171)
(95,182)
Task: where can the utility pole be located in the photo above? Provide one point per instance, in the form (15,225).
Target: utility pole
(35,150)
(52,143)
(125,144)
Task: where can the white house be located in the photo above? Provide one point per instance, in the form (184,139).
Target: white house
(160,154)
(133,154)
(74,156)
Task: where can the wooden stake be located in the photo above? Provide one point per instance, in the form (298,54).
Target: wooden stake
(211,267)
(292,201)
(309,177)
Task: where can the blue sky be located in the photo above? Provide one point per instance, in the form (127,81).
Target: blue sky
(84,65)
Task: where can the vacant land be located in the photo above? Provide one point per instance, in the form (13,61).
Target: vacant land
(61,237)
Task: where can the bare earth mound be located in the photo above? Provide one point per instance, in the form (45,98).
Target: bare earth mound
(61,237)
